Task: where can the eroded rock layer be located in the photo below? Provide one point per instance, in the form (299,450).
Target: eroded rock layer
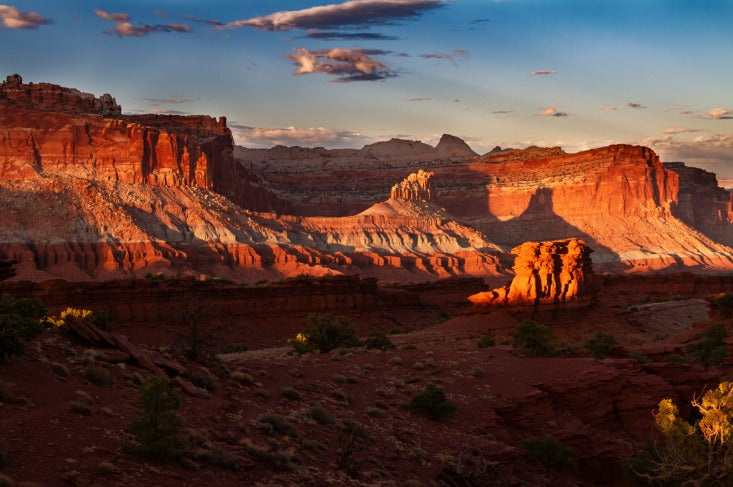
(557,273)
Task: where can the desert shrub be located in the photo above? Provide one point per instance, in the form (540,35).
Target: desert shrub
(433,403)
(329,331)
(279,424)
(550,451)
(600,345)
(674,358)
(203,379)
(320,415)
(157,431)
(158,276)
(535,340)
(276,458)
(236,348)
(691,454)
(98,375)
(639,356)
(20,320)
(725,304)
(708,346)
(290,394)
(379,341)
(485,341)
(300,344)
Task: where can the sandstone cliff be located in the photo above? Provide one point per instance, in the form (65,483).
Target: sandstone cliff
(417,186)
(557,273)
(702,203)
(620,199)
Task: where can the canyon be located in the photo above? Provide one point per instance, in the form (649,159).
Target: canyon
(91,193)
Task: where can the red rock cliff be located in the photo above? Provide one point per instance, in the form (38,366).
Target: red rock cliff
(417,186)
(48,130)
(546,273)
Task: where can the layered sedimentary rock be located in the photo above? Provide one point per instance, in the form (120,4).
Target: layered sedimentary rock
(546,273)
(49,97)
(87,196)
(47,130)
(417,186)
(702,203)
(620,199)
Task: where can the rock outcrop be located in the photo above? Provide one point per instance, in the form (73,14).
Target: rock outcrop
(417,186)
(557,273)
(702,203)
(54,98)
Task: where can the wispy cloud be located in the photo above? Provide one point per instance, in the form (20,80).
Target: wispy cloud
(350,13)
(452,56)
(345,64)
(289,136)
(543,72)
(681,130)
(124,28)
(609,109)
(194,18)
(712,151)
(168,111)
(720,114)
(419,99)
(167,101)
(349,36)
(15,19)
(552,112)
(635,105)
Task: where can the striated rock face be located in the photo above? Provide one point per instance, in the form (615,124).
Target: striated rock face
(53,98)
(417,186)
(546,273)
(47,130)
(702,203)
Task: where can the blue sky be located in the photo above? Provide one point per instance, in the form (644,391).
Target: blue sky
(579,74)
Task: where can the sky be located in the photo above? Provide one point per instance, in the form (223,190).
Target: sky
(572,73)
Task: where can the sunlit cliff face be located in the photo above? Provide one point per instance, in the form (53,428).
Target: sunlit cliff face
(556,272)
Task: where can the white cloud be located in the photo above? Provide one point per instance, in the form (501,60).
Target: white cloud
(543,72)
(553,112)
(124,28)
(345,64)
(260,137)
(352,12)
(15,19)
(720,114)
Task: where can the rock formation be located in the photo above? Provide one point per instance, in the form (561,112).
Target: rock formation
(53,98)
(702,203)
(546,273)
(417,186)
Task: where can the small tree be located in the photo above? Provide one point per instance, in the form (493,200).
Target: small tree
(329,331)
(432,403)
(20,320)
(600,345)
(157,430)
(699,454)
(535,340)
(708,346)
(725,303)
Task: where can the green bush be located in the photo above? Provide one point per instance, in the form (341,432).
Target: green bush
(600,345)
(708,346)
(432,403)
(157,430)
(550,451)
(535,340)
(639,356)
(674,358)
(378,340)
(203,379)
(725,304)
(486,341)
(700,453)
(329,331)
(20,320)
